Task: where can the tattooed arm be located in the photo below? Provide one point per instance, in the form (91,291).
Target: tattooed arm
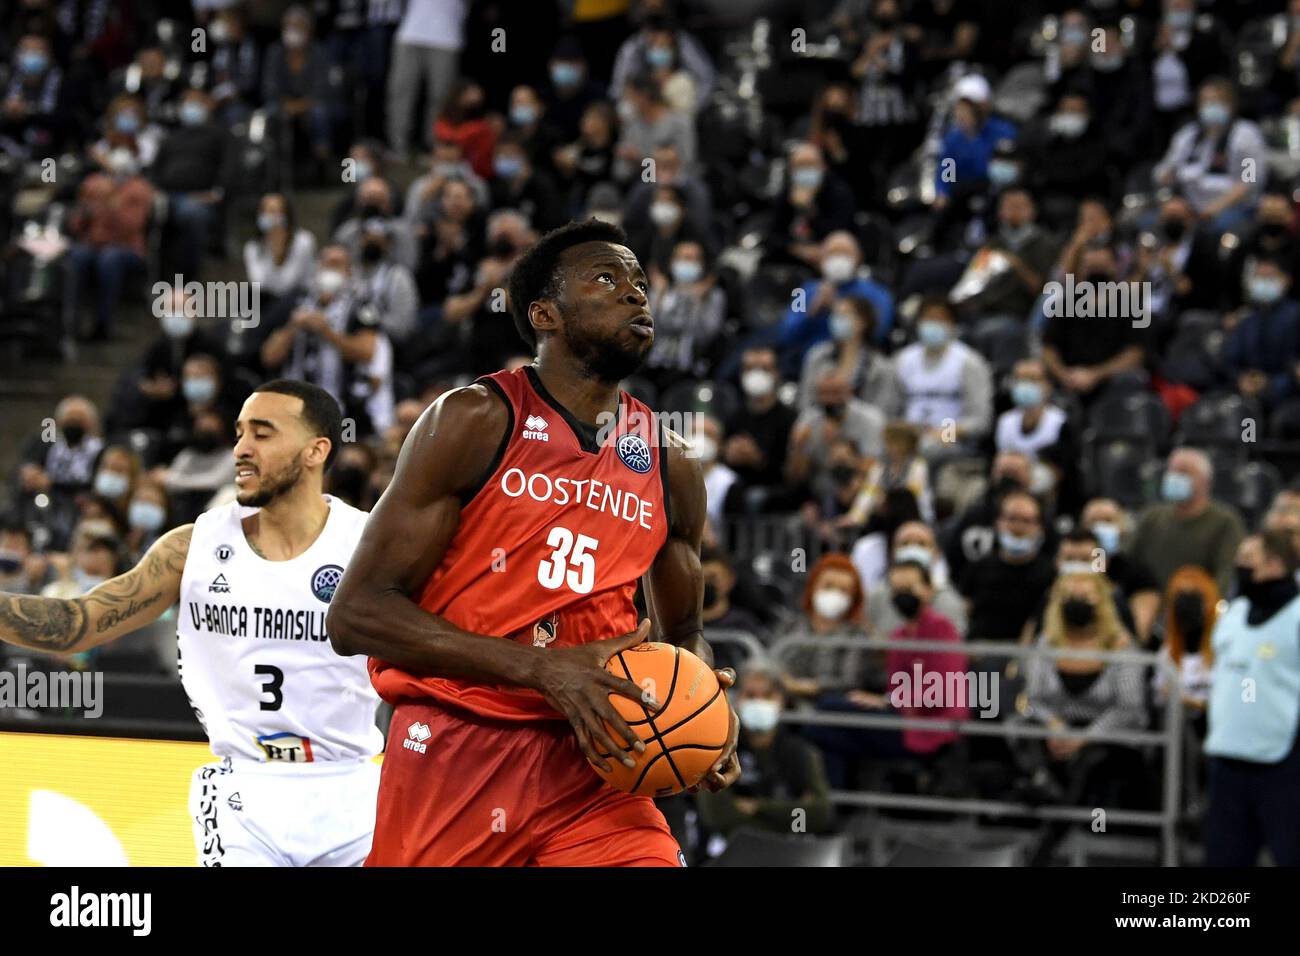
(117,607)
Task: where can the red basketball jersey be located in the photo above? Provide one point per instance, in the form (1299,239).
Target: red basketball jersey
(549,550)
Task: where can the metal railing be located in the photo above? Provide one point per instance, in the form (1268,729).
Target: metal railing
(1169,738)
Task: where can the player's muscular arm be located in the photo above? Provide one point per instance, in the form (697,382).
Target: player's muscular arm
(675,586)
(117,607)
(408,533)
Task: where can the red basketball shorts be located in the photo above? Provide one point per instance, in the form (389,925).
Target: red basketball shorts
(458,789)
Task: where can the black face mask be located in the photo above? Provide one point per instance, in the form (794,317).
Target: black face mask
(207,441)
(371,211)
(1005,484)
(834,412)
(73,433)
(501,248)
(1189,615)
(1244,578)
(1272,230)
(906,603)
(710,594)
(1099,277)
(372,252)
(9,565)
(843,474)
(1175,229)
(1078,612)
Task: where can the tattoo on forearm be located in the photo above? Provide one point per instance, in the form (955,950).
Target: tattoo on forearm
(57,624)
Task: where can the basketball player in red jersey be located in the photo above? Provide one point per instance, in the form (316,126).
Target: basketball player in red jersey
(496,576)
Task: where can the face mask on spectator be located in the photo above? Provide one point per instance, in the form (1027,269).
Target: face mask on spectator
(1002,172)
(759,716)
(111,484)
(915,552)
(127,123)
(1107,62)
(372,252)
(523,114)
(363,169)
(932,333)
(1273,230)
(266,221)
(830,603)
(73,433)
(665,213)
(1174,228)
(565,74)
(199,391)
(32,62)
(1266,289)
(11,561)
(507,167)
(838,268)
(220,31)
(329,281)
(193,113)
(87,582)
(177,325)
(294,38)
(1069,125)
(501,248)
(1214,113)
(1027,394)
(1078,612)
(806,177)
(1107,535)
(1176,487)
(146,515)
(1179,19)
(659,56)
(842,326)
(1015,235)
(1074,36)
(1075,567)
(706,448)
(686,270)
(757,382)
(906,603)
(121,162)
(1016,545)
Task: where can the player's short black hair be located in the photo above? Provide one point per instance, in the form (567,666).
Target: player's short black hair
(536,274)
(319,410)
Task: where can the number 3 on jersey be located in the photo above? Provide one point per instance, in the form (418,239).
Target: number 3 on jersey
(571,561)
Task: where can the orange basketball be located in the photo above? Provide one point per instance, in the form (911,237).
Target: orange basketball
(685,736)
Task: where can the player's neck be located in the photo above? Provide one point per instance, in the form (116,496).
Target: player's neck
(290,524)
(586,398)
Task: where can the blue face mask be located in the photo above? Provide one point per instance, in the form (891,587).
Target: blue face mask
(199,390)
(1016,546)
(146,515)
(659,56)
(507,167)
(1001,172)
(523,114)
(807,177)
(111,484)
(842,326)
(1027,394)
(1176,487)
(127,123)
(1214,114)
(1107,536)
(193,114)
(1266,290)
(566,74)
(1179,19)
(932,333)
(32,62)
(686,270)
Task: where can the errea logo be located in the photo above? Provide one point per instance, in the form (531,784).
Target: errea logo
(416,735)
(535,428)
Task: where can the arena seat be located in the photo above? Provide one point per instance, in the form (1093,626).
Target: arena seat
(748,847)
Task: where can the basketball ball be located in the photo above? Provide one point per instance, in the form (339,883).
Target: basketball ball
(683,738)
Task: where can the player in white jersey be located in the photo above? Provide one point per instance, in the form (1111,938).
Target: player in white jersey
(292,722)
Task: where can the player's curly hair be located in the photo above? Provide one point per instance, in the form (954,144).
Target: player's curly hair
(536,274)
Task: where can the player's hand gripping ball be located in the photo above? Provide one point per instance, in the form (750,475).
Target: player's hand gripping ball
(683,738)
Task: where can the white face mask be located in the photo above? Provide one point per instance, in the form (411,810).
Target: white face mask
(914,552)
(664,213)
(838,268)
(330,281)
(830,603)
(177,326)
(759,716)
(758,382)
(706,448)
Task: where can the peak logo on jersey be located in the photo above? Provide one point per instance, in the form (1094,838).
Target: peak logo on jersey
(224,553)
(544,632)
(325,580)
(416,735)
(635,453)
(535,428)
(219,585)
(235,801)
(286,748)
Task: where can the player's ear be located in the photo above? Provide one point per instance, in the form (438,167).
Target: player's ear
(318,449)
(544,316)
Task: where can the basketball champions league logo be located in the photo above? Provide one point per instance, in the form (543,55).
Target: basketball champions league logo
(634,452)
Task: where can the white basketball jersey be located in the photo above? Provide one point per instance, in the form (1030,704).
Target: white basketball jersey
(254,656)
(931,393)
